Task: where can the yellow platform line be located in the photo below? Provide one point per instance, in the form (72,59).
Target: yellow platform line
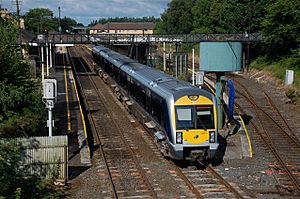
(81,112)
(247,134)
(67,97)
(243,123)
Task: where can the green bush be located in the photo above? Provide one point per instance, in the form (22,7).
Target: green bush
(22,111)
(278,69)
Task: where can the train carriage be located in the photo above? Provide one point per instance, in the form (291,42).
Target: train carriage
(185,115)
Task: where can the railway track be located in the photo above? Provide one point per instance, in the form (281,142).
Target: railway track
(114,151)
(208,183)
(118,162)
(276,134)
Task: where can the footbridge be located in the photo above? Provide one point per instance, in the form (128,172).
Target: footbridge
(129,39)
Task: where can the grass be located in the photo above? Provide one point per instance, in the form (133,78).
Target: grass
(278,69)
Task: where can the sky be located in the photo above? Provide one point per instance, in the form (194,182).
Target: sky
(84,11)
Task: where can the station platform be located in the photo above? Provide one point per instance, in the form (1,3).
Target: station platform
(68,115)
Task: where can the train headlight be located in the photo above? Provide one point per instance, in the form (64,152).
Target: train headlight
(179,137)
(212,137)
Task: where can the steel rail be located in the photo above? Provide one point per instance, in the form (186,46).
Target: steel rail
(225,183)
(268,140)
(95,130)
(277,111)
(251,100)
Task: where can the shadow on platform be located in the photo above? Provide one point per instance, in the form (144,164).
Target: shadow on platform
(75,171)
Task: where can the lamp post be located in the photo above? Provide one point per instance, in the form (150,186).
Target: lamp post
(59,27)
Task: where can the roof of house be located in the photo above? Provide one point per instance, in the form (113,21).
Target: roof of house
(124,26)
(79,27)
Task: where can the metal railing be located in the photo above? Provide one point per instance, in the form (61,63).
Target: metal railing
(153,38)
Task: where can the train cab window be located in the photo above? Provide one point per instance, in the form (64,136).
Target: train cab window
(185,117)
(194,117)
(205,117)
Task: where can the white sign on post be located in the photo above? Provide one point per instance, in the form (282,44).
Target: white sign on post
(50,89)
(199,78)
(49,96)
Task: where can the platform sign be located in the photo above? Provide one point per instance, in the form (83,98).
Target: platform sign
(41,37)
(199,78)
(49,97)
(50,90)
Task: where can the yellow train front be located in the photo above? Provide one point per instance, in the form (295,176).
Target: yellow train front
(194,124)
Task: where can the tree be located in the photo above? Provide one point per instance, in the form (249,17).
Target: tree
(231,16)
(21,108)
(281,27)
(213,16)
(67,23)
(9,168)
(202,21)
(39,20)
(177,19)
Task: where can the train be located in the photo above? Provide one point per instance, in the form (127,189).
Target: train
(183,117)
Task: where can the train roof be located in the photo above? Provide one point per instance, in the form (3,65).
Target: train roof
(152,78)
(113,57)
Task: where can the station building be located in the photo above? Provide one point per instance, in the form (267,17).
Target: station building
(123,28)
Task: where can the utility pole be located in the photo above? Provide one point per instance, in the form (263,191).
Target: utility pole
(50,54)
(59,27)
(17,3)
(193,66)
(165,61)
(47,59)
(43,69)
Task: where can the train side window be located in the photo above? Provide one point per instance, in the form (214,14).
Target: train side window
(117,74)
(164,114)
(143,97)
(123,80)
(138,93)
(156,108)
(148,101)
(111,69)
(156,111)
(105,62)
